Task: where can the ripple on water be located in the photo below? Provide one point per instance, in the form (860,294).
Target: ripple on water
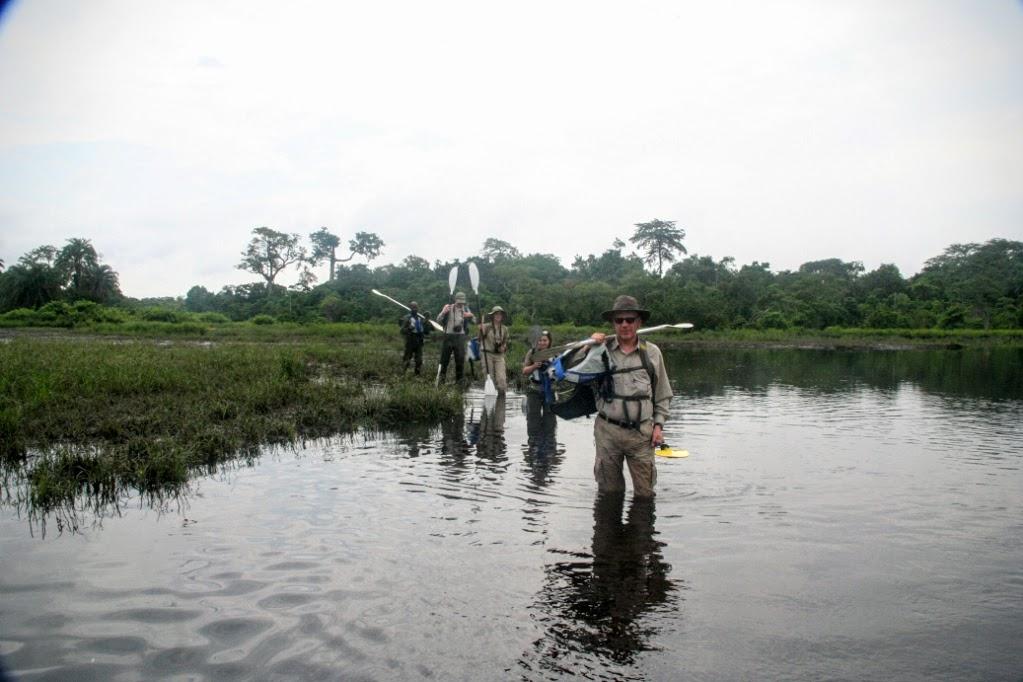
(177,660)
(284,601)
(235,631)
(154,615)
(117,646)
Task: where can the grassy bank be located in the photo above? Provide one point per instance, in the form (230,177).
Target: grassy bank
(87,414)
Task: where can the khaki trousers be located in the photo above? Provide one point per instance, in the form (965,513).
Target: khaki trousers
(498,370)
(615,446)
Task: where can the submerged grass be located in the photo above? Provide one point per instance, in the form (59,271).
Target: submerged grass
(91,416)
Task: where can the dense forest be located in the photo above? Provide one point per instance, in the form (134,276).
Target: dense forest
(968,286)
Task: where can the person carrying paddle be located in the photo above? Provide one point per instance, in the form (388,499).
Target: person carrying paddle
(493,337)
(414,328)
(631,416)
(455,318)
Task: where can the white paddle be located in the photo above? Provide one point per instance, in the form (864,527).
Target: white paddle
(549,353)
(435,325)
(489,389)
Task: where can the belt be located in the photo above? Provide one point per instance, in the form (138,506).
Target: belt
(621,423)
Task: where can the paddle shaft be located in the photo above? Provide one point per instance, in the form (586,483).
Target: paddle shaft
(420,315)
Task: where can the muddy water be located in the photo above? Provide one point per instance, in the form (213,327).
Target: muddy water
(840,516)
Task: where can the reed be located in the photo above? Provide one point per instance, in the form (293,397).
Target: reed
(94,415)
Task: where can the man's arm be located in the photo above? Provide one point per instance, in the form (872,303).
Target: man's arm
(662,394)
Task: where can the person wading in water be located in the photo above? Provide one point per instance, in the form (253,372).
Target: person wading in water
(494,343)
(630,416)
(455,318)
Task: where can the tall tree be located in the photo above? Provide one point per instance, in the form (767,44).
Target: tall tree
(101,285)
(44,255)
(660,240)
(498,249)
(324,248)
(269,252)
(366,244)
(75,261)
(29,285)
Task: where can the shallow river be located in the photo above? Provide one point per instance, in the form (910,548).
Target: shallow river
(842,515)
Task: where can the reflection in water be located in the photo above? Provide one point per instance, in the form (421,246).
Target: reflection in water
(490,444)
(991,373)
(881,490)
(592,605)
(541,446)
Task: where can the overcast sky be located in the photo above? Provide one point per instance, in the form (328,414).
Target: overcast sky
(783,132)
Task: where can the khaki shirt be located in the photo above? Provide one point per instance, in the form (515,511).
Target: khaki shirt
(454,319)
(637,383)
(495,339)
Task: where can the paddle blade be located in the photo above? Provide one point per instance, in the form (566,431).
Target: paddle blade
(474,277)
(489,389)
(535,332)
(452,280)
(664,451)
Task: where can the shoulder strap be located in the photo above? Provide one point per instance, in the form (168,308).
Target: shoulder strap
(644,357)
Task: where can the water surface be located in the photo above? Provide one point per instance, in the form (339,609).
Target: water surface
(841,516)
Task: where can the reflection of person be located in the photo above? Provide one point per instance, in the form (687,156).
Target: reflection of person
(631,415)
(455,318)
(493,344)
(491,442)
(414,328)
(597,609)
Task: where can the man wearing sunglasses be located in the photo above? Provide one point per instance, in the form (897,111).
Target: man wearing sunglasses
(632,405)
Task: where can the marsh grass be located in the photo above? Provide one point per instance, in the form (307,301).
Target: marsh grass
(91,416)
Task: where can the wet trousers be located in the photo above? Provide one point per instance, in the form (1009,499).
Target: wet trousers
(498,370)
(617,446)
(454,344)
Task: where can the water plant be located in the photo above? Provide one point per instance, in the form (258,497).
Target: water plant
(94,415)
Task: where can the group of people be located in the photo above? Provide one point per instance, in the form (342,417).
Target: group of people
(631,410)
(455,319)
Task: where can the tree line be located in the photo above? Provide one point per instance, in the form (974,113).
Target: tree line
(973,285)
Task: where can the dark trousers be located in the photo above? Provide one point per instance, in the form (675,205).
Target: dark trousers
(453,343)
(413,349)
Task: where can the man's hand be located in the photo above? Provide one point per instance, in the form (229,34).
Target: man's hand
(656,438)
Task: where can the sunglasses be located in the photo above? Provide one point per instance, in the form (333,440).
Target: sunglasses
(626,320)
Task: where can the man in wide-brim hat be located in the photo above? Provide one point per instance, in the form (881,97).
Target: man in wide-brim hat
(494,344)
(630,418)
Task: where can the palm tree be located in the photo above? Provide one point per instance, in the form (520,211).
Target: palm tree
(74,261)
(660,240)
(29,285)
(102,284)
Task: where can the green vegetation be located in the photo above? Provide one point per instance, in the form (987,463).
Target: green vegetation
(968,286)
(81,414)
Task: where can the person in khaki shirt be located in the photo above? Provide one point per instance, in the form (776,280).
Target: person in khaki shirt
(632,406)
(494,344)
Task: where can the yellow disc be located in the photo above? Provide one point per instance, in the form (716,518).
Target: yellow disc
(665,451)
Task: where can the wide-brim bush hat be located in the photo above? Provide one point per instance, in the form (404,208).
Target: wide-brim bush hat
(626,304)
(496,309)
